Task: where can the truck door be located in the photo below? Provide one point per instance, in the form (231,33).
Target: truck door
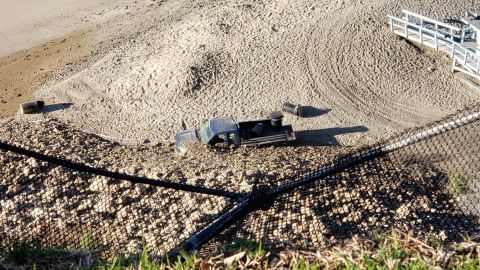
(233,138)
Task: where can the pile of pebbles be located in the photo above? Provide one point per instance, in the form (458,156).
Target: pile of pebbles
(365,200)
(57,205)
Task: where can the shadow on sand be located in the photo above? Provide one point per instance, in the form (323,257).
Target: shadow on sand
(55,107)
(310,112)
(327,136)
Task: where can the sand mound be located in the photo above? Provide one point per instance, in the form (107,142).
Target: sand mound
(245,58)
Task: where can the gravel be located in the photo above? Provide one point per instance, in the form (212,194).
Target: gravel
(57,205)
(407,189)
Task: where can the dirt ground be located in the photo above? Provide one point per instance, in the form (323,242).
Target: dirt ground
(137,68)
(58,37)
(23,72)
(168,61)
(25,23)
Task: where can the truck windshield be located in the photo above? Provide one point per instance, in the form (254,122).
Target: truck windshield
(205,133)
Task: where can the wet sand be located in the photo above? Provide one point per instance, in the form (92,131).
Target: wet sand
(23,72)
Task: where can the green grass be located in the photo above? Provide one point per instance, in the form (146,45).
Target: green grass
(396,251)
(253,249)
(24,253)
(460,183)
(88,243)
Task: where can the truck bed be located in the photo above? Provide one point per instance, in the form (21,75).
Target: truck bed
(285,133)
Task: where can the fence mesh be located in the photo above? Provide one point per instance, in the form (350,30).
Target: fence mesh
(61,208)
(430,187)
(425,180)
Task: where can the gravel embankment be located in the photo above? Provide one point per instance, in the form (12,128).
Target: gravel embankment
(57,204)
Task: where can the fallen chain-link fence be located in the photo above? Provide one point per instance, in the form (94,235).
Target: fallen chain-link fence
(425,180)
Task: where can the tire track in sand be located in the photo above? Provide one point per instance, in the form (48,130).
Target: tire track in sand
(342,74)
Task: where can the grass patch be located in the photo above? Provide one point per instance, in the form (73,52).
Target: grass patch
(25,253)
(88,243)
(460,183)
(252,248)
(396,251)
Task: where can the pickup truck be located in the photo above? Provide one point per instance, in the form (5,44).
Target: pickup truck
(227,132)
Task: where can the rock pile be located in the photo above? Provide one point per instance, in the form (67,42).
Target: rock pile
(61,206)
(58,205)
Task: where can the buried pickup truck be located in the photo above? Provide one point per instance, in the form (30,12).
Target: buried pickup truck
(227,132)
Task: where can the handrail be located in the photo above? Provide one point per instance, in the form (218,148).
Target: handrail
(444,39)
(466,51)
(446,25)
(430,31)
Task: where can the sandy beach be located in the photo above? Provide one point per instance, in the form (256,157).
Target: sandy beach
(119,77)
(161,62)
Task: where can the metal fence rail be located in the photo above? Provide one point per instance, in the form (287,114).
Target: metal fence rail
(441,36)
(425,180)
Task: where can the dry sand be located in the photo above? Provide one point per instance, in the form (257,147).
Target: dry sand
(194,60)
(27,23)
(44,38)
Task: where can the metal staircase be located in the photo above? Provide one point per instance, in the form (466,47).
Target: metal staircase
(441,36)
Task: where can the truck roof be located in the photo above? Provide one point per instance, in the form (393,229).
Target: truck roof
(222,125)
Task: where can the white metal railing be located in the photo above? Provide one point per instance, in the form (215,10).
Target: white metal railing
(413,27)
(423,19)
(466,57)
(471,14)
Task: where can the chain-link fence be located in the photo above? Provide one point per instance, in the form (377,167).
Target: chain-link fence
(103,215)
(425,180)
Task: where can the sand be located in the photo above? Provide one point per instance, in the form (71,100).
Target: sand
(27,23)
(41,39)
(23,72)
(193,60)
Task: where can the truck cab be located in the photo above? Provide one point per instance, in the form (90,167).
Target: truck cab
(220,130)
